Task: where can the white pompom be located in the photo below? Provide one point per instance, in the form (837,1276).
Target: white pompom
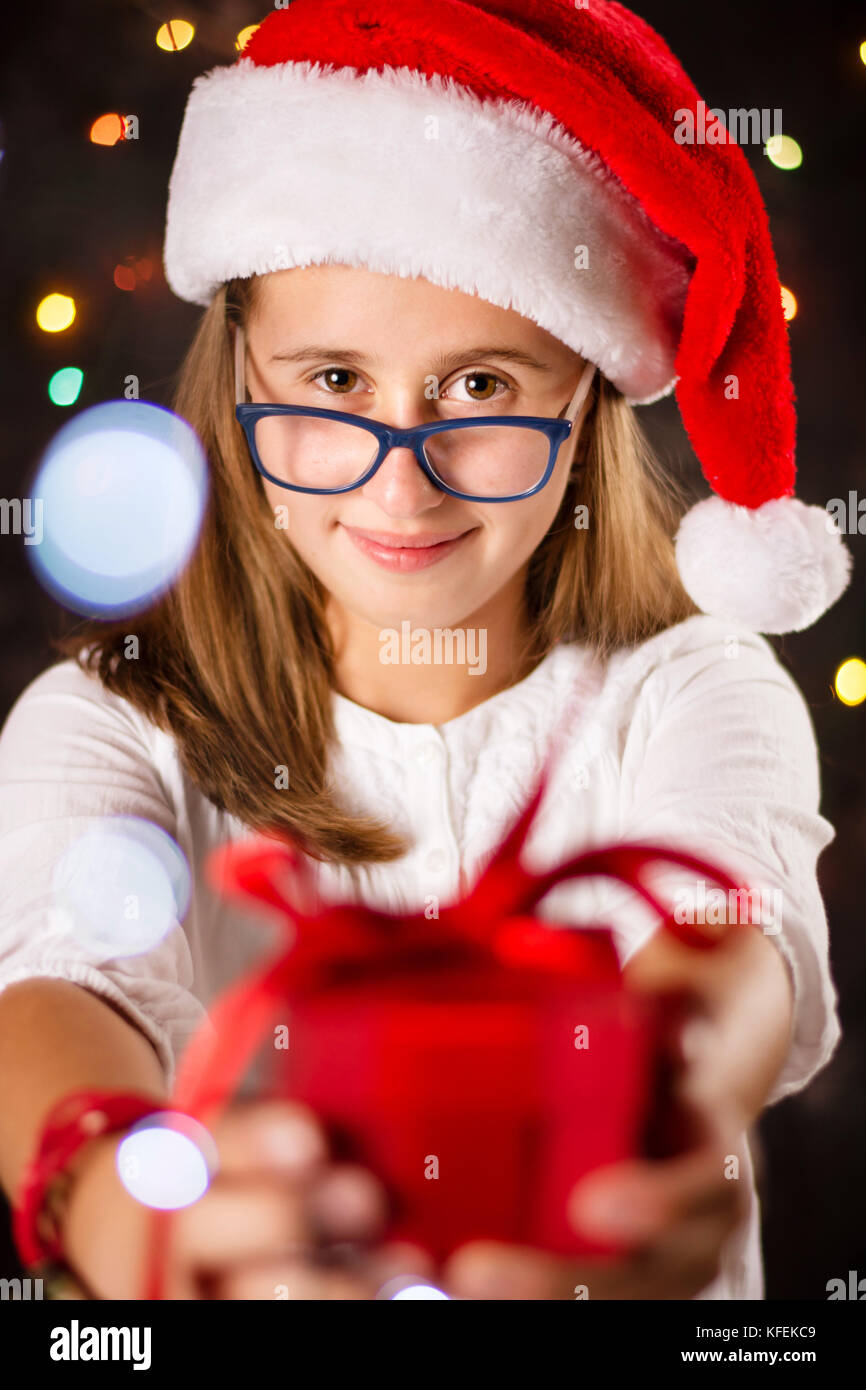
(774,568)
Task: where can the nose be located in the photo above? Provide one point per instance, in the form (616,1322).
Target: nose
(400,487)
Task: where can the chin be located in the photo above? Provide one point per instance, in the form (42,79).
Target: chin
(391,611)
(417,617)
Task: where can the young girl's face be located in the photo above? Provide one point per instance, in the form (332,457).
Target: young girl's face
(347,339)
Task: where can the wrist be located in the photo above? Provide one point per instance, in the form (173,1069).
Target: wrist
(80,1211)
(63,1195)
(80,1126)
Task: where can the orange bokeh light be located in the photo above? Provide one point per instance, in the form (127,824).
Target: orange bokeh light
(789,303)
(108,129)
(130,274)
(124,277)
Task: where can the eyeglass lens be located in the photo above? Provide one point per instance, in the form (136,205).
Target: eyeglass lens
(486,461)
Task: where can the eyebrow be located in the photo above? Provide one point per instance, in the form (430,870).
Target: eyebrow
(318,352)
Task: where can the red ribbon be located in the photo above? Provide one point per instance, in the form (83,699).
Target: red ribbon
(491,924)
(74,1120)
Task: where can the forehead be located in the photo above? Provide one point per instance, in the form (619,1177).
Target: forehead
(352,301)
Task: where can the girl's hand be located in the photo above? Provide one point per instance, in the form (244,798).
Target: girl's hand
(262,1228)
(677,1213)
(274,1212)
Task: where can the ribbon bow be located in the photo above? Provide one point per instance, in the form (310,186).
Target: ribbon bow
(336,943)
(340,942)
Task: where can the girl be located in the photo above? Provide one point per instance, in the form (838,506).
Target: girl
(404,228)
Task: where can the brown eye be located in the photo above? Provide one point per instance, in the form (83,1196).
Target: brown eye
(477,384)
(335,379)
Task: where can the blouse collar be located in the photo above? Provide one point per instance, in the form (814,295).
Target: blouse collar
(529,698)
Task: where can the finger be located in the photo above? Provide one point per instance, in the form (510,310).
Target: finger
(290,1279)
(347,1203)
(237,1220)
(349,1273)
(241,1219)
(398,1265)
(646,1274)
(677,1263)
(268,1135)
(490,1270)
(633,1200)
(681,1262)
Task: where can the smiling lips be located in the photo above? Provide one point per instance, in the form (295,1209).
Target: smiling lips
(404,554)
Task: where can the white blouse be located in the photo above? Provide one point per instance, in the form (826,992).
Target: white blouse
(697,738)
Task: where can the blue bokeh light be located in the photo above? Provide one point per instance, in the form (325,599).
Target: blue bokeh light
(123,488)
(167,1161)
(121,887)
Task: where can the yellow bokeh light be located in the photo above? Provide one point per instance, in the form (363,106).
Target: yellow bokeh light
(245,35)
(784,152)
(55,312)
(789,303)
(863,51)
(851,681)
(174,35)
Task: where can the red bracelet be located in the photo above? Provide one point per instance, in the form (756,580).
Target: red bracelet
(77,1118)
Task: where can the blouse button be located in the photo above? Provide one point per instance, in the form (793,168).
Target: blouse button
(436,860)
(426,754)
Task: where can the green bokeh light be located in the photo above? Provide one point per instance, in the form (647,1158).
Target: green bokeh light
(64,387)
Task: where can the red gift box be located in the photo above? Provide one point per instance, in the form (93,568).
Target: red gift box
(479,1063)
(478,1097)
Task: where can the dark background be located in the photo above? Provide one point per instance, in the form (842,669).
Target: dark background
(72,211)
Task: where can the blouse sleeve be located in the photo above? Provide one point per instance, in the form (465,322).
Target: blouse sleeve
(72,758)
(721,760)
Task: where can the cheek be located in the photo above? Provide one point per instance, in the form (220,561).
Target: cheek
(300,517)
(522,526)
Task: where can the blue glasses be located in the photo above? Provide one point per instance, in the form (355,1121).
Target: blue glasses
(494,458)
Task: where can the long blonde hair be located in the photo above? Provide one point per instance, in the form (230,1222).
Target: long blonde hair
(236,659)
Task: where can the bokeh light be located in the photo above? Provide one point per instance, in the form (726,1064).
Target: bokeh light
(851,681)
(420,1291)
(55,312)
(166,1161)
(863,51)
(789,303)
(132,273)
(244,36)
(174,35)
(120,887)
(123,487)
(108,129)
(784,152)
(64,388)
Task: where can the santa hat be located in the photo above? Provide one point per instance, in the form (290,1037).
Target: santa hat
(526,151)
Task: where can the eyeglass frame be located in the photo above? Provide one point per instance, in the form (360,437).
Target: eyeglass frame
(557,430)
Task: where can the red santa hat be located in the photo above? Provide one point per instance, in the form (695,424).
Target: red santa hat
(526,151)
